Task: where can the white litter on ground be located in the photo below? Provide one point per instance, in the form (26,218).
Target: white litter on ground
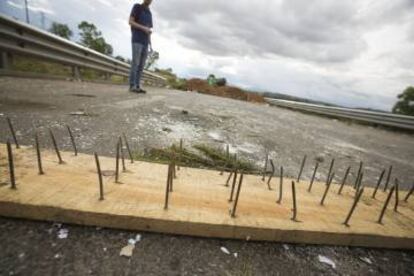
(366,260)
(225,250)
(138,238)
(286,247)
(132,241)
(327,261)
(127,250)
(236,255)
(63,233)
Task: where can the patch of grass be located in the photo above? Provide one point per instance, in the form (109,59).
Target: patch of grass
(200,156)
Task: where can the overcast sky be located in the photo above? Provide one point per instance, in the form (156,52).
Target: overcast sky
(355,53)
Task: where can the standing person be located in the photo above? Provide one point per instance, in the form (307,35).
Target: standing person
(140,21)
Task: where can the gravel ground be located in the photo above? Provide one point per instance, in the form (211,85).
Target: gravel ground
(160,118)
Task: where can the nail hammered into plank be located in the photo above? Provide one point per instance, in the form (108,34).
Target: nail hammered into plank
(52,136)
(117,163)
(344,180)
(265,167)
(301,168)
(11,165)
(271,176)
(121,148)
(9,122)
(396,195)
(348,218)
(172,165)
(228,179)
(38,154)
(98,168)
(384,208)
(359,183)
(388,179)
(233,186)
(313,176)
(279,201)
(128,148)
(233,213)
(378,183)
(72,139)
(167,189)
(327,188)
(361,164)
(295,209)
(330,170)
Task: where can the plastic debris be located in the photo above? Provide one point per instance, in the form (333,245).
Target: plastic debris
(127,250)
(78,113)
(58,256)
(286,247)
(132,241)
(235,255)
(138,238)
(63,233)
(366,260)
(327,261)
(225,250)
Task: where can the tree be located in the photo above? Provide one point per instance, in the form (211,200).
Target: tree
(153,57)
(92,38)
(61,30)
(405,105)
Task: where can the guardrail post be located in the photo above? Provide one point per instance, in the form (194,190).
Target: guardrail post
(76,73)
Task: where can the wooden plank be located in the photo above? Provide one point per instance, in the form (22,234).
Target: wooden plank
(198,206)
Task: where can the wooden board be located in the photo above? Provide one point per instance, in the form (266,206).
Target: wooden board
(198,206)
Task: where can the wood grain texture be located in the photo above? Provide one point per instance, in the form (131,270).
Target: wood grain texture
(198,206)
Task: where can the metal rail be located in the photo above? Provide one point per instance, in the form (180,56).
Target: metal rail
(385,119)
(23,39)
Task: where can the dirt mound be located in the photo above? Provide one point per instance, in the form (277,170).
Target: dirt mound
(223,91)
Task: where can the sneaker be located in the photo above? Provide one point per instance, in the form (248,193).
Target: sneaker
(142,91)
(133,90)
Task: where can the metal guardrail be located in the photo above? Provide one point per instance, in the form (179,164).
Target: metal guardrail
(385,119)
(23,39)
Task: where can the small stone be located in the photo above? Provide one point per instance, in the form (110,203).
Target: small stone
(127,250)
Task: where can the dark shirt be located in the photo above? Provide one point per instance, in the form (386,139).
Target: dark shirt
(142,15)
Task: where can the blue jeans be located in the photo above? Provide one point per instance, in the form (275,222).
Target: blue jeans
(139,57)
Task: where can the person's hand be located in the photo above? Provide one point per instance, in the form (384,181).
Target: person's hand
(147,30)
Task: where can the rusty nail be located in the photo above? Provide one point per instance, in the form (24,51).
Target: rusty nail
(361,164)
(233,213)
(327,188)
(301,168)
(359,183)
(228,179)
(396,195)
(121,148)
(388,178)
(167,188)
(344,180)
(172,168)
(330,170)
(378,183)
(409,193)
(56,146)
(295,209)
(12,132)
(233,185)
(313,176)
(39,156)
(271,176)
(128,148)
(384,208)
(265,166)
(72,139)
(360,192)
(98,168)
(280,186)
(11,165)
(117,163)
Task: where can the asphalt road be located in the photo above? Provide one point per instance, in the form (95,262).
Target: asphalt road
(157,119)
